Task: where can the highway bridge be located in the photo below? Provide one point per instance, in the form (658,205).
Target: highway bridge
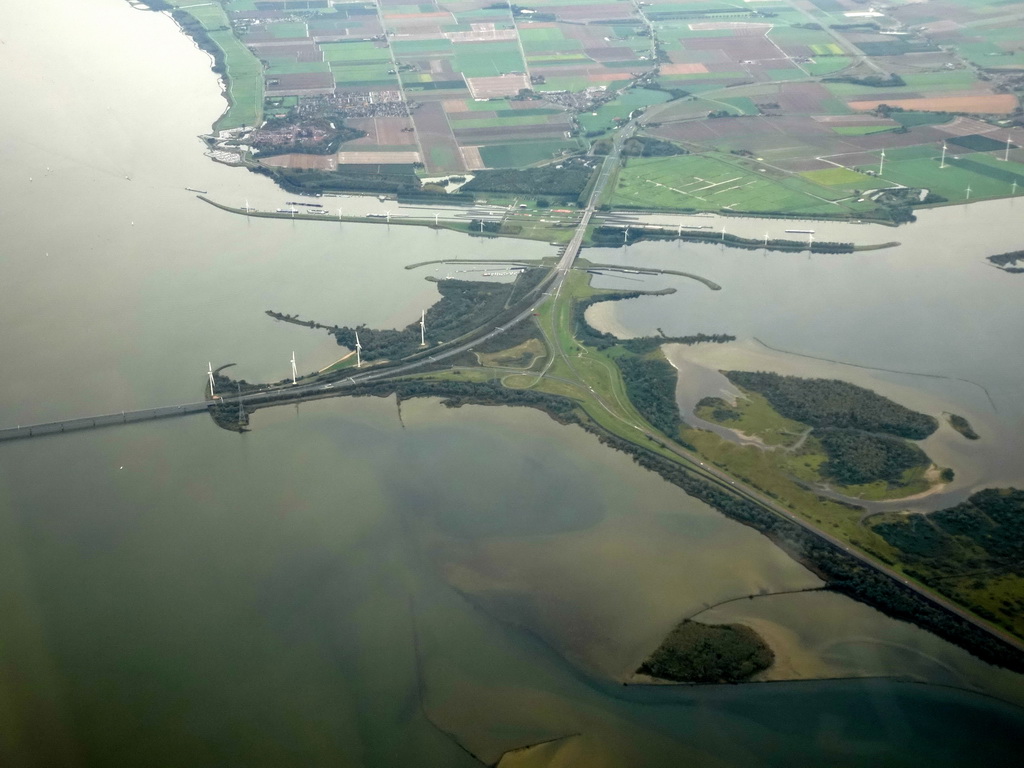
(104,420)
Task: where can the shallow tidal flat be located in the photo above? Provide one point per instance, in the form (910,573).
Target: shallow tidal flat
(847,639)
(603,577)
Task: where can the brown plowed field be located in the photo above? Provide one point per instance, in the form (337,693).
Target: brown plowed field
(991,103)
(302,81)
(434,133)
(471,157)
(316,162)
(618,53)
(382,131)
(802,98)
(963,126)
(377,158)
(496,87)
(492,135)
(739,27)
(683,69)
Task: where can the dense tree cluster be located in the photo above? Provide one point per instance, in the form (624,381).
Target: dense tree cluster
(651,386)
(856,457)
(871,81)
(835,403)
(564,181)
(464,305)
(641,345)
(989,526)
(387,179)
(720,409)
(709,653)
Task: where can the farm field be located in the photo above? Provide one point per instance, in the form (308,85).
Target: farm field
(784,106)
(713,182)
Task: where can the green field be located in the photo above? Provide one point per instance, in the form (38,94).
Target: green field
(827,65)
(840,177)
(525,153)
(345,74)
(421,47)
(861,130)
(354,53)
(488,59)
(711,182)
(987,176)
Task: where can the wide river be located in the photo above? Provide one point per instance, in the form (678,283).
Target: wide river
(350,585)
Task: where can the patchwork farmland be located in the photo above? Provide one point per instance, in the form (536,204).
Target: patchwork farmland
(778,106)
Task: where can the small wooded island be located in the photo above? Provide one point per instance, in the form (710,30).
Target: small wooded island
(709,653)
(962,425)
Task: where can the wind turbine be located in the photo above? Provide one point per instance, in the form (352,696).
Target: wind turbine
(881,163)
(389,217)
(625,236)
(423,328)
(723,234)
(968,192)
(209,372)
(339,213)
(765,239)
(295,373)
(359,362)
(1014,189)
(1006,155)
(942,163)
(810,240)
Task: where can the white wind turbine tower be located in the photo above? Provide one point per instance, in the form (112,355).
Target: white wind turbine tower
(881,163)
(359,347)
(295,373)
(423,328)
(1006,155)
(942,163)
(209,372)
(968,192)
